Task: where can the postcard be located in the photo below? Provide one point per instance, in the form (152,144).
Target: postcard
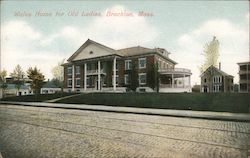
(124,79)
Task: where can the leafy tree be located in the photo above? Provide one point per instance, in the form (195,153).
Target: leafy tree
(157,77)
(18,76)
(58,75)
(153,77)
(3,83)
(211,53)
(37,79)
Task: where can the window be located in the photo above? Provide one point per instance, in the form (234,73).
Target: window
(91,52)
(217,79)
(88,66)
(77,69)
(142,78)
(69,70)
(69,82)
(88,81)
(116,66)
(142,63)
(159,64)
(205,80)
(78,82)
(117,79)
(217,88)
(128,64)
(127,79)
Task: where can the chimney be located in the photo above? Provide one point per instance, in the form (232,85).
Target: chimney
(219,65)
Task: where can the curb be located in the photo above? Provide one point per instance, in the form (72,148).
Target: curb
(224,116)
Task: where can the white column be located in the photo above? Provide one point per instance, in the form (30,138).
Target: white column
(85,76)
(183,80)
(114,74)
(247,78)
(172,80)
(73,78)
(99,75)
(224,83)
(189,81)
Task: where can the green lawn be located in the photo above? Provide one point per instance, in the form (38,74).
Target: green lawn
(227,102)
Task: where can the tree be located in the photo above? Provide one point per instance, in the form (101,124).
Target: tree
(153,77)
(37,79)
(134,78)
(211,53)
(58,75)
(3,83)
(18,77)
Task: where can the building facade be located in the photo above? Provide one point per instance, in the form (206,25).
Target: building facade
(95,67)
(50,88)
(213,80)
(244,77)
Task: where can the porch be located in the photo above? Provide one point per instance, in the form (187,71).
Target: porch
(96,74)
(175,80)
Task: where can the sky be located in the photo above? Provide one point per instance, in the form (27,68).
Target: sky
(43,33)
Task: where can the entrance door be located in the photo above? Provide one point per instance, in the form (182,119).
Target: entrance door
(97,84)
(205,89)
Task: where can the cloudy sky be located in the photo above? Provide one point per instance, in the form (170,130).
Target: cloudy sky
(181,27)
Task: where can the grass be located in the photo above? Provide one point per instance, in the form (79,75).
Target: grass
(223,102)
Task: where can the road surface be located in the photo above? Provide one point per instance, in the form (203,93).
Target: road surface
(49,132)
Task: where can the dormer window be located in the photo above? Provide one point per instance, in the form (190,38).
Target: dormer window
(91,52)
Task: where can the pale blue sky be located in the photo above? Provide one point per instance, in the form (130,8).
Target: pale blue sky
(182,27)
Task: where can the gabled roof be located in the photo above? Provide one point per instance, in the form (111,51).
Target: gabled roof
(85,44)
(213,68)
(126,52)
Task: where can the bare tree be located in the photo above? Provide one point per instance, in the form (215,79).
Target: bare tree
(211,53)
(58,74)
(18,76)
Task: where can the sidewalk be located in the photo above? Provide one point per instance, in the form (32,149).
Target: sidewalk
(148,111)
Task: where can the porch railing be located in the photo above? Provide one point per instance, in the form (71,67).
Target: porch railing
(174,86)
(94,71)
